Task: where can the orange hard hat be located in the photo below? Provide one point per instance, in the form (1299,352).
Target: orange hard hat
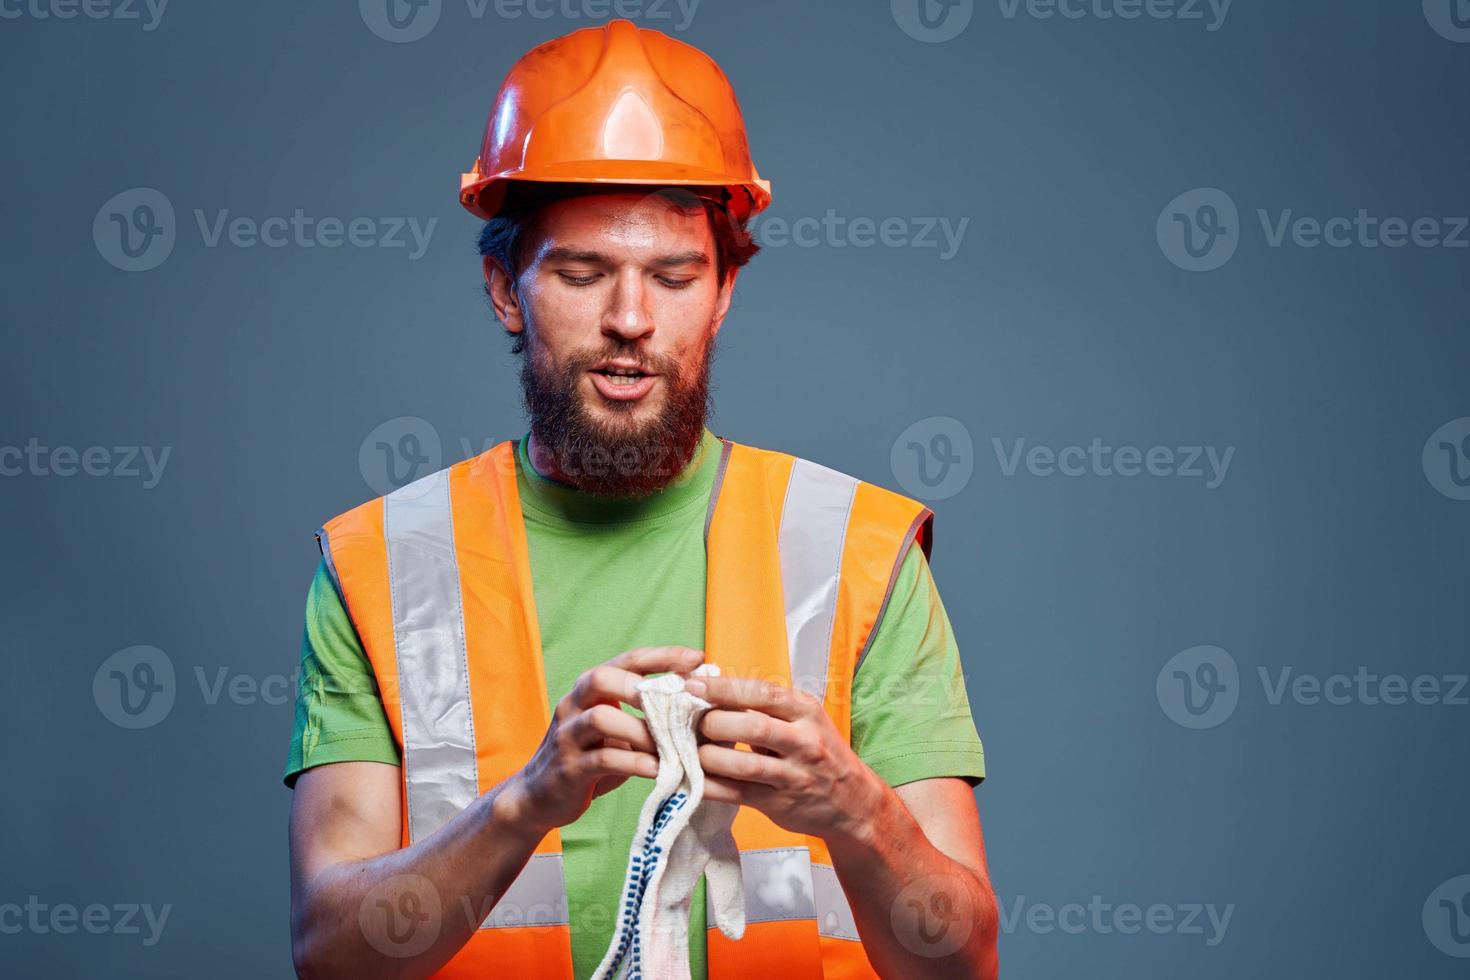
(615,104)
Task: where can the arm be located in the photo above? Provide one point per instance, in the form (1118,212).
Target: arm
(915,876)
(349,880)
(362,907)
(922,903)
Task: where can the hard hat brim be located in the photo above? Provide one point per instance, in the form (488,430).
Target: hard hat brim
(483,195)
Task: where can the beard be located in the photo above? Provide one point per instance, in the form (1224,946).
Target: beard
(612,452)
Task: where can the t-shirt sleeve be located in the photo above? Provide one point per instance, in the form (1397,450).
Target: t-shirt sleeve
(911,715)
(339,715)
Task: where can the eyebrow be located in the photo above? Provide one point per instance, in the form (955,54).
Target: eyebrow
(563,253)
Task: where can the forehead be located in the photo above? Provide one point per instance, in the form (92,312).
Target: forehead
(622,220)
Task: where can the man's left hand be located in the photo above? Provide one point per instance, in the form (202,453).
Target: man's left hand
(801,772)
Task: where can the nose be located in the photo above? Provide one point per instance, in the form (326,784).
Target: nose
(627,316)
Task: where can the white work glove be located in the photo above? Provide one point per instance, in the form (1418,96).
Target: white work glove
(679,836)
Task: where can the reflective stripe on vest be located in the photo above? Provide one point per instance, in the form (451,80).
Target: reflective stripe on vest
(436,577)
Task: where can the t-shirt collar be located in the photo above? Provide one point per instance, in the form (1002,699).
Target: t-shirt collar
(544,497)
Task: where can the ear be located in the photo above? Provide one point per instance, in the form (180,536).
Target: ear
(503,296)
(722,302)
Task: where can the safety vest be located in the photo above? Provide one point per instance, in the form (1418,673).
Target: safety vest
(436,577)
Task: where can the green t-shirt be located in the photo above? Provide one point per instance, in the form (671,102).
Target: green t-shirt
(612,574)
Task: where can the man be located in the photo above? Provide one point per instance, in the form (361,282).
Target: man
(468,759)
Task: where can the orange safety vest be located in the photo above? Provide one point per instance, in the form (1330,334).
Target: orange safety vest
(437,579)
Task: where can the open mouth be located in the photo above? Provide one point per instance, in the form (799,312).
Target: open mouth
(622,376)
(621,383)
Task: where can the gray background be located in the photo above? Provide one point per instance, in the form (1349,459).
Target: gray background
(1061,318)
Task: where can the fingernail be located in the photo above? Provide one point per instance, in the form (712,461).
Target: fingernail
(693,656)
(695,688)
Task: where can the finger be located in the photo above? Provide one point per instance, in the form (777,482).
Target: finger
(725,790)
(759,731)
(767,697)
(654,660)
(596,763)
(607,784)
(747,767)
(618,679)
(606,684)
(742,794)
(605,723)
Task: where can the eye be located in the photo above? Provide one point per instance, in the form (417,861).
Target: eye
(675,283)
(583,280)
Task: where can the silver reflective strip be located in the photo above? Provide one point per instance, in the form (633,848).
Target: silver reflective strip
(428,634)
(778,886)
(834,915)
(538,897)
(813,528)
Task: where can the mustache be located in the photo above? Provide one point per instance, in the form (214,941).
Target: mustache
(648,363)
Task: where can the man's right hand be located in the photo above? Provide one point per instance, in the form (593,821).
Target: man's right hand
(592,745)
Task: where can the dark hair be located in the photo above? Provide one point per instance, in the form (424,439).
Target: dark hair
(507,236)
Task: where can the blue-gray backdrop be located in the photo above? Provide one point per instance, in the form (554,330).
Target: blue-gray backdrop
(1161,304)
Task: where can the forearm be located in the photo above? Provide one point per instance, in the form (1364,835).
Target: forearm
(362,918)
(920,913)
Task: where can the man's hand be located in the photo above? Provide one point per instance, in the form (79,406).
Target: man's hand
(801,772)
(805,777)
(592,745)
